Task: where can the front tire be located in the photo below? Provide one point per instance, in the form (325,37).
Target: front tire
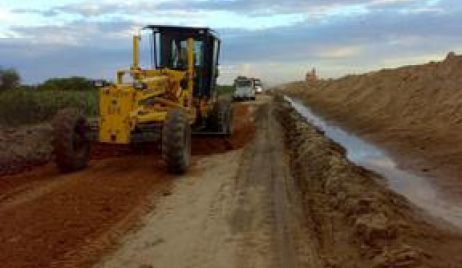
(71,144)
(176,142)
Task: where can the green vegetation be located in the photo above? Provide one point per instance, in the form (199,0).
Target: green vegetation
(225,89)
(9,79)
(22,104)
(225,92)
(26,106)
(74,83)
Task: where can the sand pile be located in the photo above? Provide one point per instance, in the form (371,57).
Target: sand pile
(416,111)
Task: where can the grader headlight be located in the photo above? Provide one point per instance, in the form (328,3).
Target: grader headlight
(139,85)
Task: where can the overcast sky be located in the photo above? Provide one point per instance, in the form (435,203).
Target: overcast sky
(274,39)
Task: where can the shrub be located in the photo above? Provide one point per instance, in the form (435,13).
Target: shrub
(74,83)
(29,106)
(9,79)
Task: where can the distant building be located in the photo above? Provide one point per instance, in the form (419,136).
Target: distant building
(311,77)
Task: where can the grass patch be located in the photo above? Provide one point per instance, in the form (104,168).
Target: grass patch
(225,89)
(30,106)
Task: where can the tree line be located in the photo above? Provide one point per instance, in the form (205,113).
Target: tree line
(10,79)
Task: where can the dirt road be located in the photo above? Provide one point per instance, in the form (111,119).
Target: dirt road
(288,199)
(276,194)
(240,211)
(69,220)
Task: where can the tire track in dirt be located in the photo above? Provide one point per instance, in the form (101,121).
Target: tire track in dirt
(288,199)
(237,209)
(267,214)
(189,227)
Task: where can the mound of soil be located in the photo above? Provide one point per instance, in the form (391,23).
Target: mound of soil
(415,111)
(23,148)
(357,221)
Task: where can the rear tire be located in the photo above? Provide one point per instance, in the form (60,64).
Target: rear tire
(71,145)
(176,142)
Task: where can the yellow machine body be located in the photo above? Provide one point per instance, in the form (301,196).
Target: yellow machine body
(168,102)
(146,99)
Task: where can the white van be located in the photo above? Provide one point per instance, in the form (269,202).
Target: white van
(258,86)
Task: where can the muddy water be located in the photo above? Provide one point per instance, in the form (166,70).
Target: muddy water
(417,189)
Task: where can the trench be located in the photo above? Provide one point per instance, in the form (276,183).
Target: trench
(417,189)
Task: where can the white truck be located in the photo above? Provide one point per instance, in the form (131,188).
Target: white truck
(243,89)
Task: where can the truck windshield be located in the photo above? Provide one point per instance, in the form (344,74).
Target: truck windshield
(244,83)
(146,59)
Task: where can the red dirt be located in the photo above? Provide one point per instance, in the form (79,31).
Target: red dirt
(69,220)
(23,148)
(15,184)
(72,219)
(243,131)
(29,176)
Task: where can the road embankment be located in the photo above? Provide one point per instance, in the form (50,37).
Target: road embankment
(356,219)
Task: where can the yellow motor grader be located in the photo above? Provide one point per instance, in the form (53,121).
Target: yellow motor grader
(169,101)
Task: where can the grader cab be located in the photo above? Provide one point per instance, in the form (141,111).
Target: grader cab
(168,101)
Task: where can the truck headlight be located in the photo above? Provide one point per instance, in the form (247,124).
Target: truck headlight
(139,85)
